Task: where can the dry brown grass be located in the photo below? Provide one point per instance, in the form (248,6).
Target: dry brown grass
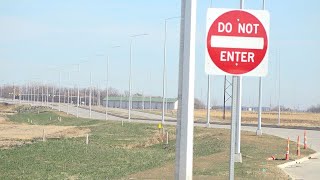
(271,118)
(215,166)
(304,119)
(12,134)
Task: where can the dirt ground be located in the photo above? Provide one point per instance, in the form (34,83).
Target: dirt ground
(12,134)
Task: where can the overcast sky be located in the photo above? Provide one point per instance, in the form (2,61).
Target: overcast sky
(40,37)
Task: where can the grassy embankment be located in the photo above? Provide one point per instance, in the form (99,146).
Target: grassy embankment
(117,152)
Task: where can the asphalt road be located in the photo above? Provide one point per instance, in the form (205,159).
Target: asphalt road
(307,170)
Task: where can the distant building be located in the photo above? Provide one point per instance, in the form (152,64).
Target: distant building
(141,102)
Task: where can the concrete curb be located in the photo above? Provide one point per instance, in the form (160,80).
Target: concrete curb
(298,161)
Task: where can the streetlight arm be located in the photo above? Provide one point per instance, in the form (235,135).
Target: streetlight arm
(136,35)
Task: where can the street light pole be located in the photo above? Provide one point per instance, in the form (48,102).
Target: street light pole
(130,74)
(164,67)
(279,108)
(107,100)
(59,89)
(47,97)
(78,101)
(107,78)
(208,102)
(164,71)
(14,93)
(129,99)
(90,94)
(68,94)
(259,130)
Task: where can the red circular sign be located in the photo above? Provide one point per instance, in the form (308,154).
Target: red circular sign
(237,42)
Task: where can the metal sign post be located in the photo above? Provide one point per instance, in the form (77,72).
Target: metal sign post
(208,103)
(237,85)
(184,128)
(233,127)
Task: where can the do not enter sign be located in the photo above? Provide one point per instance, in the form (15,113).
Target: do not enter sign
(237,42)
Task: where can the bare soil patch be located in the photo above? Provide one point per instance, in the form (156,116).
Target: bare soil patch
(12,134)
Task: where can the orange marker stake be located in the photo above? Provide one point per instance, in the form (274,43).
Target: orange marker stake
(298,146)
(305,146)
(287,153)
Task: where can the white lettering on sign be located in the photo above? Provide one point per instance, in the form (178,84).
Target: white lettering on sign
(224,27)
(237,42)
(236,56)
(247,28)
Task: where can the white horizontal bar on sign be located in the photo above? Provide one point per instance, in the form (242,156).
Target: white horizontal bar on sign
(237,42)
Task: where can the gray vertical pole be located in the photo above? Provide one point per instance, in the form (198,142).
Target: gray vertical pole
(34,94)
(85,96)
(93,91)
(208,102)
(150,94)
(59,89)
(53,94)
(20,94)
(47,97)
(78,98)
(164,72)
(208,93)
(259,130)
(129,100)
(142,101)
(107,100)
(42,94)
(233,127)
(14,93)
(64,95)
(224,98)
(28,92)
(68,99)
(238,155)
(38,94)
(98,95)
(68,94)
(279,109)
(90,94)
(185,122)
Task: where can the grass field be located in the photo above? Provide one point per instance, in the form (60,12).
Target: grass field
(133,151)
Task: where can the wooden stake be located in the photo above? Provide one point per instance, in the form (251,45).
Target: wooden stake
(43,135)
(87,139)
(167,138)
